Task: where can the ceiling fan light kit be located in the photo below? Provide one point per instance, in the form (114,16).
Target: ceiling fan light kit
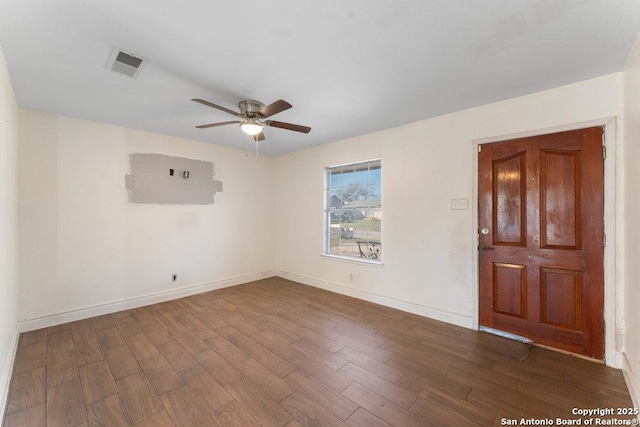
(251,126)
(251,112)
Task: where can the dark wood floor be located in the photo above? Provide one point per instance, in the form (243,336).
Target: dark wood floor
(276,353)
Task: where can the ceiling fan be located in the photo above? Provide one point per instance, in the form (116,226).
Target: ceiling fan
(253,114)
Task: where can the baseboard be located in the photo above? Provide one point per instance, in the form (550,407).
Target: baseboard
(129,303)
(410,307)
(632,383)
(7,371)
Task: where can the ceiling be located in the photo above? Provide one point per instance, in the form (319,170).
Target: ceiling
(348,67)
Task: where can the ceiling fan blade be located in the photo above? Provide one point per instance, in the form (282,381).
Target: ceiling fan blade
(288,126)
(212,105)
(259,137)
(211,125)
(277,107)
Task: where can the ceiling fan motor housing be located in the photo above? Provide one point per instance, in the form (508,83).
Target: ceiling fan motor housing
(250,108)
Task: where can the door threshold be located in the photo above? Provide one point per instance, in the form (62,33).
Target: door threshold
(568,353)
(504,334)
(525,340)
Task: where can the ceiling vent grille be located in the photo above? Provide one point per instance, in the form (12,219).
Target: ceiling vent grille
(125,63)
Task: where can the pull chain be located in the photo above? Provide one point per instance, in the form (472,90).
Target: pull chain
(257,154)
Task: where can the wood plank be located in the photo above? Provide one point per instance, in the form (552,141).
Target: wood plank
(97,382)
(308,413)
(427,369)
(276,345)
(176,355)
(334,402)
(382,355)
(138,397)
(110,338)
(381,407)
(228,351)
(102,322)
(439,416)
(183,407)
(31,357)
(108,412)
(33,337)
(128,327)
(65,404)
(61,359)
(210,393)
(88,351)
(365,362)
(264,409)
(141,347)
(122,362)
(36,416)
(274,386)
(219,368)
(483,379)
(384,388)
(160,374)
(446,386)
(271,361)
(156,333)
(323,356)
(320,341)
(449,401)
(364,418)
(286,334)
(82,330)
(233,414)
(201,330)
(161,419)
(190,342)
(28,389)
(320,372)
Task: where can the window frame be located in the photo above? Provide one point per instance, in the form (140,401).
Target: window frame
(328,210)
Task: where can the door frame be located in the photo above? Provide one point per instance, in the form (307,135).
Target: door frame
(612,307)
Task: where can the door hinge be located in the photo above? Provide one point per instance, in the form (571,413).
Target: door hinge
(604,152)
(479,148)
(604,240)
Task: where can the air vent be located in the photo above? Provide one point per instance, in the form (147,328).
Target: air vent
(125,63)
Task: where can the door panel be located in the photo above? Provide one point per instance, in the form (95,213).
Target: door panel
(560,298)
(541,264)
(509,204)
(510,289)
(560,197)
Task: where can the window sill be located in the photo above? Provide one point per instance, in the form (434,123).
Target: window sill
(372,263)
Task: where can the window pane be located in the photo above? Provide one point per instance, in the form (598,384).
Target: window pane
(354,210)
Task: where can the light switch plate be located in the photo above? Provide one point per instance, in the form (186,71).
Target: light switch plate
(459,204)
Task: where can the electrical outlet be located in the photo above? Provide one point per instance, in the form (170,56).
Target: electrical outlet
(459,204)
(174,277)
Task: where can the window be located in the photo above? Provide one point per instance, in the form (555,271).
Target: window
(353,210)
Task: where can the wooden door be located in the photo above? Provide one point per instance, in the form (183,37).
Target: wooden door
(541,221)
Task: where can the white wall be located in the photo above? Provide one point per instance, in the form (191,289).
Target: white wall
(8,229)
(428,249)
(631,215)
(83,245)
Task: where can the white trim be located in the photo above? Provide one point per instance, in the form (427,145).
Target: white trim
(612,357)
(5,380)
(458,319)
(632,383)
(353,260)
(139,301)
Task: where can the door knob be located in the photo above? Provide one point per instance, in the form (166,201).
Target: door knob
(487,248)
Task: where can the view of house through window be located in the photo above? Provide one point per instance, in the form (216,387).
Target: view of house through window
(353,210)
